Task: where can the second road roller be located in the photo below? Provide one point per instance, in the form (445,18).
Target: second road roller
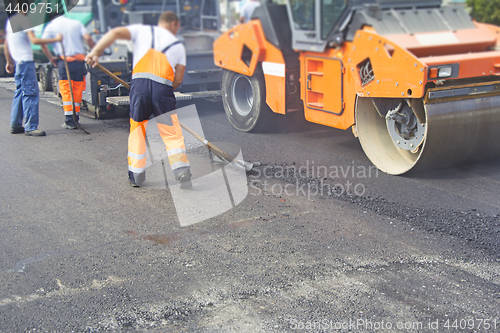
(418,82)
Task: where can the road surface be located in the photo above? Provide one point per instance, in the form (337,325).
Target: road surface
(322,242)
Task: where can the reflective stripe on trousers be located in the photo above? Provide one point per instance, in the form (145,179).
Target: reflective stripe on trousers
(172,138)
(137,146)
(78,88)
(77,72)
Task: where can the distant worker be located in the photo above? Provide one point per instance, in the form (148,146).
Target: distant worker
(158,69)
(18,54)
(73,35)
(247,10)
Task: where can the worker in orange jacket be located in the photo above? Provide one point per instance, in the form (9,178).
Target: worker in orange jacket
(158,69)
(73,35)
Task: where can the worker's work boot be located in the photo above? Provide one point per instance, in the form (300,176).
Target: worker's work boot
(136,179)
(184,178)
(66,126)
(16,130)
(185,182)
(35,133)
(69,123)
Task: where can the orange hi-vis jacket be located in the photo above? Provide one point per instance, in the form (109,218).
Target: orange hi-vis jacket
(154,65)
(151,93)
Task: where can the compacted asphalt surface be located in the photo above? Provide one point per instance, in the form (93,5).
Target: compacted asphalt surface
(315,240)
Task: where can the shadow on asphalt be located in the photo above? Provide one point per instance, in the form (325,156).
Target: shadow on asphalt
(487,169)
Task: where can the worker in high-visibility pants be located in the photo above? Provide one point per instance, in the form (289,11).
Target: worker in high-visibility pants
(171,133)
(158,69)
(73,33)
(77,72)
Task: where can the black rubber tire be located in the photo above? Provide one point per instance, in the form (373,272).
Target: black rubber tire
(3,62)
(3,72)
(55,82)
(99,112)
(45,78)
(244,100)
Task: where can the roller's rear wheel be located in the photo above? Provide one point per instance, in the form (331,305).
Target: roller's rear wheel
(244,99)
(3,62)
(55,81)
(45,78)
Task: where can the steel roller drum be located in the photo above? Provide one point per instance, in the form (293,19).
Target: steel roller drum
(458,129)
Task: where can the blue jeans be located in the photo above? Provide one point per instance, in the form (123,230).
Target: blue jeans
(26,98)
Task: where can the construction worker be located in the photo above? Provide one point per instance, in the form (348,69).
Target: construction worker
(158,69)
(73,35)
(247,10)
(18,53)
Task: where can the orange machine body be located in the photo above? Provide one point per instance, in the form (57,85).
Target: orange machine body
(371,65)
(244,48)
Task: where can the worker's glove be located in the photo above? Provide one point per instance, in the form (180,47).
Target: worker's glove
(165,119)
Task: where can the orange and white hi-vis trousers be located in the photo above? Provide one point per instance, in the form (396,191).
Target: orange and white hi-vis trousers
(172,138)
(77,71)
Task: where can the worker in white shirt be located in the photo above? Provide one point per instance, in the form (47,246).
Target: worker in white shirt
(18,54)
(74,33)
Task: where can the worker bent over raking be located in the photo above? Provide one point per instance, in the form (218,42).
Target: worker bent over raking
(158,69)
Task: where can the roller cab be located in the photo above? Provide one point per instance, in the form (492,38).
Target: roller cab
(418,82)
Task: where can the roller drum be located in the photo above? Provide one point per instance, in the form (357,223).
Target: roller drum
(457,131)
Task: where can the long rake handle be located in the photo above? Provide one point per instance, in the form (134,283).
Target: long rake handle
(212,147)
(209,145)
(113,76)
(71,88)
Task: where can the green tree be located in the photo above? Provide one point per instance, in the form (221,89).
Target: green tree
(485,10)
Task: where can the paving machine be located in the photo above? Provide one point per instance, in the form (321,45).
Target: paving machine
(3,62)
(3,21)
(97,16)
(88,12)
(416,81)
(200,25)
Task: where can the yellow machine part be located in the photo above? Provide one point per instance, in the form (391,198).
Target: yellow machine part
(241,48)
(244,49)
(327,92)
(381,88)
(331,80)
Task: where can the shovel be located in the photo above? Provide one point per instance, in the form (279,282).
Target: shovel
(213,148)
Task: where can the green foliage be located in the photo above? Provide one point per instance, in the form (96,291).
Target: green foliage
(485,10)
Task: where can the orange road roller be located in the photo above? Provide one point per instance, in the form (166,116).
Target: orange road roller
(418,82)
